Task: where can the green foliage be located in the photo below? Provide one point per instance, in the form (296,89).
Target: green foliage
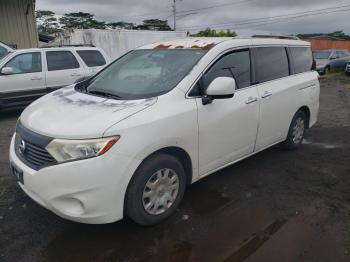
(213,33)
(154,24)
(47,22)
(81,20)
(121,24)
(337,34)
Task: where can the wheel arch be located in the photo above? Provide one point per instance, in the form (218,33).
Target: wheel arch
(306,111)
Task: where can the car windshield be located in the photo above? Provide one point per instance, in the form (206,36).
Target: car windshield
(322,55)
(144,73)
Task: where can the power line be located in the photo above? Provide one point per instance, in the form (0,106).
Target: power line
(215,6)
(266,19)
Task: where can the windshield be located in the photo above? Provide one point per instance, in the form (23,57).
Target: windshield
(145,73)
(322,55)
(3,52)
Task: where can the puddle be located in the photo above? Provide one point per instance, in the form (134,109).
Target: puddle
(251,245)
(323,145)
(217,225)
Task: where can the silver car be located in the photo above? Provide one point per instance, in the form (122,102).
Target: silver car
(331,59)
(4,50)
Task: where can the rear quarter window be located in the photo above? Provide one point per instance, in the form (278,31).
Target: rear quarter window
(92,58)
(302,59)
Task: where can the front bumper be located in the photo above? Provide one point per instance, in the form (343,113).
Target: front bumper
(88,191)
(320,69)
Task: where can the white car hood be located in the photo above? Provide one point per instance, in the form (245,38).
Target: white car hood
(69,114)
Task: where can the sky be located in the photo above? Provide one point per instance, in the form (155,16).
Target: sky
(246,17)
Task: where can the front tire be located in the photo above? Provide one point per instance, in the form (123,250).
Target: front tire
(296,131)
(156,190)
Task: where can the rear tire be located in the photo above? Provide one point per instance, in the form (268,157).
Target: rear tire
(156,190)
(296,131)
(327,70)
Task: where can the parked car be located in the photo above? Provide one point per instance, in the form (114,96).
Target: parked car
(130,139)
(347,68)
(27,74)
(4,50)
(332,59)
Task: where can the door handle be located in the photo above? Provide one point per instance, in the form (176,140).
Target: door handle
(36,78)
(251,100)
(266,94)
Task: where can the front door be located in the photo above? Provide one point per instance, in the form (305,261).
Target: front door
(27,81)
(228,127)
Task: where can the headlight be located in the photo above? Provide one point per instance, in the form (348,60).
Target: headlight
(66,150)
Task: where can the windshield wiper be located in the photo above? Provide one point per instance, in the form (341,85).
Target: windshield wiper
(105,94)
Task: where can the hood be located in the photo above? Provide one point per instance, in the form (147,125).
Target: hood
(67,113)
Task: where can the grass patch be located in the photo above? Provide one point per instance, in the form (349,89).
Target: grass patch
(332,74)
(347,85)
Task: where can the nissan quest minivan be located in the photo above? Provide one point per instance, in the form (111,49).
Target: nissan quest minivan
(127,142)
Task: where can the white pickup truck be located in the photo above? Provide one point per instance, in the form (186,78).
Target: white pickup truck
(27,74)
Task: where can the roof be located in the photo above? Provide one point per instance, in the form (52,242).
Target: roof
(206,43)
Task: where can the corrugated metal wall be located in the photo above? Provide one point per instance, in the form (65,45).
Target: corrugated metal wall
(321,44)
(117,42)
(17,23)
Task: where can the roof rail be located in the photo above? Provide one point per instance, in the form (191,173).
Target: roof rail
(292,37)
(78,45)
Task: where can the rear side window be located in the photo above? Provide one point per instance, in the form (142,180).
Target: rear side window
(92,57)
(235,65)
(271,63)
(61,60)
(302,59)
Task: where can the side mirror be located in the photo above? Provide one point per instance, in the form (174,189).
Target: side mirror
(220,88)
(7,71)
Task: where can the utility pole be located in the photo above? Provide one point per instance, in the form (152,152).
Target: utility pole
(174,13)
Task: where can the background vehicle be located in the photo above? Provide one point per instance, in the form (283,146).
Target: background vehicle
(129,139)
(331,59)
(347,68)
(27,74)
(4,50)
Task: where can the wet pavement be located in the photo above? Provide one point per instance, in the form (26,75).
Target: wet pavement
(274,206)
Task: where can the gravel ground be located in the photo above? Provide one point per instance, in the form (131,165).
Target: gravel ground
(274,206)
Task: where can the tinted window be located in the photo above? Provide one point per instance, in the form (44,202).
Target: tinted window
(92,58)
(271,63)
(322,54)
(61,60)
(3,52)
(25,63)
(302,58)
(235,65)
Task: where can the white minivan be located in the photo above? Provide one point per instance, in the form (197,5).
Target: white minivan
(26,74)
(128,141)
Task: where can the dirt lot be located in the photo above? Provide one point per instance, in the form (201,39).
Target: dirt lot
(275,206)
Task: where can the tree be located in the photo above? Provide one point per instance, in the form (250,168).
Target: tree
(213,33)
(121,24)
(154,24)
(81,20)
(47,22)
(336,35)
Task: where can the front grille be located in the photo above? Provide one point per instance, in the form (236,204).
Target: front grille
(33,154)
